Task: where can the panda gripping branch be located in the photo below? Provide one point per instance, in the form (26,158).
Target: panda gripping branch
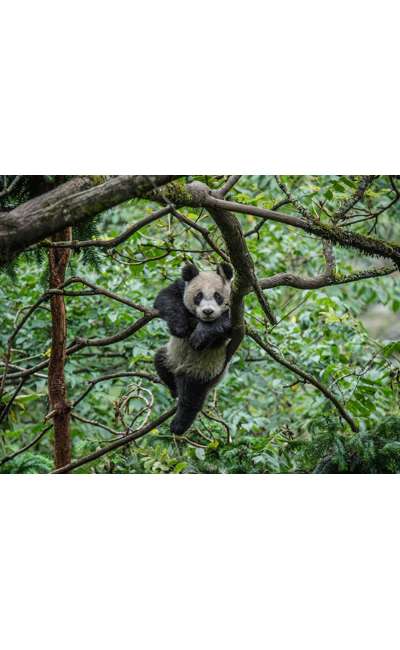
(196,309)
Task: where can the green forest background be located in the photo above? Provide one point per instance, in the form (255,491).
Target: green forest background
(262,418)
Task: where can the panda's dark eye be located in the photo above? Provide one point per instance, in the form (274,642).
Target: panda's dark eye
(218,298)
(198,298)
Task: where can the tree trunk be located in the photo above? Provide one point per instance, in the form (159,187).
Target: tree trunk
(59,407)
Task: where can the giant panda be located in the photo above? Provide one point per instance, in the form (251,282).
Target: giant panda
(196,309)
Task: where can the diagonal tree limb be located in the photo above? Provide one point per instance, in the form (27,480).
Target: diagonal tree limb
(126,440)
(7,190)
(80,342)
(364,184)
(226,188)
(304,375)
(26,447)
(202,230)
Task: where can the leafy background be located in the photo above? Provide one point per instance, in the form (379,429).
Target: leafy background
(265,420)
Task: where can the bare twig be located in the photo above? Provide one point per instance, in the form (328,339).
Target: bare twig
(115,241)
(7,190)
(115,375)
(297,204)
(26,447)
(204,232)
(358,195)
(94,423)
(97,290)
(226,187)
(220,421)
(5,410)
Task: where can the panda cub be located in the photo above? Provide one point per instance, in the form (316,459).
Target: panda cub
(196,309)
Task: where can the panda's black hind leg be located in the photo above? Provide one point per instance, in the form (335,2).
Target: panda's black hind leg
(191,396)
(163,371)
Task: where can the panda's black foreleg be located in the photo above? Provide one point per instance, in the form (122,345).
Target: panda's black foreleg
(169,303)
(191,396)
(208,335)
(163,371)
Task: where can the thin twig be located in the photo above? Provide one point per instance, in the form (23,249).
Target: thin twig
(28,446)
(228,185)
(109,243)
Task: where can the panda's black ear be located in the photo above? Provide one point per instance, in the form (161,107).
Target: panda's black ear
(225,271)
(189,271)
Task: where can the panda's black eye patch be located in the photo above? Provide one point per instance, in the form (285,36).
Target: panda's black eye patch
(218,298)
(198,298)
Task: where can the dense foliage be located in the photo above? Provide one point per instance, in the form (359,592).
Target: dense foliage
(262,418)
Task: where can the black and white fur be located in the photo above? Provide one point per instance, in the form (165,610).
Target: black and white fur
(196,309)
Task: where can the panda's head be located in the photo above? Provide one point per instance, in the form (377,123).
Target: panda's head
(207,293)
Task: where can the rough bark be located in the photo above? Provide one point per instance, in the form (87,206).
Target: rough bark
(74,202)
(59,407)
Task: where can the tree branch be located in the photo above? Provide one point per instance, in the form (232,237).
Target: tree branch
(334,233)
(304,375)
(323,280)
(115,241)
(68,205)
(358,195)
(226,188)
(26,447)
(116,444)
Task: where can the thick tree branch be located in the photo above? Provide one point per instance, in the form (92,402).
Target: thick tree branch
(68,205)
(333,233)
(323,280)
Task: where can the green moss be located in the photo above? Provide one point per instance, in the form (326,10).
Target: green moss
(98,180)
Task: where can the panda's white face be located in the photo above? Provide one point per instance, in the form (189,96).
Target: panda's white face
(207,295)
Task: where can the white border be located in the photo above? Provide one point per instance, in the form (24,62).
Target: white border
(199,561)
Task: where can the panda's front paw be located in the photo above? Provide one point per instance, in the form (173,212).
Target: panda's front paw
(181,330)
(198,340)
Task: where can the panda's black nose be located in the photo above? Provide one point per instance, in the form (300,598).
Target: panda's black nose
(208,312)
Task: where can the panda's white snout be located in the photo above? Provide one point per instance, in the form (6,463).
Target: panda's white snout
(208,312)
